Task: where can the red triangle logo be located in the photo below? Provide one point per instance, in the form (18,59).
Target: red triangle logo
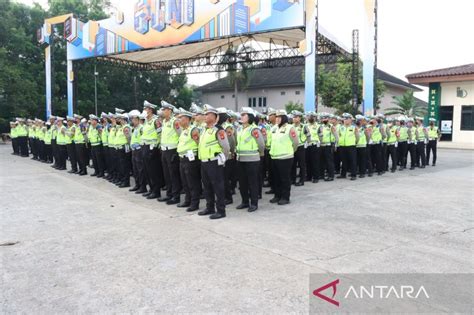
(332,285)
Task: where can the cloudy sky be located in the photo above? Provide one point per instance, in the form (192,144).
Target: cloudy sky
(414,35)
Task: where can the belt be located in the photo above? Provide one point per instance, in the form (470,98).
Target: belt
(165,148)
(209,160)
(431,139)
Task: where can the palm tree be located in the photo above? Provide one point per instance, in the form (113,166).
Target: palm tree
(407,105)
(237,62)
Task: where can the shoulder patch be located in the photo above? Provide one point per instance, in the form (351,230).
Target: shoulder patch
(157,123)
(255,133)
(293,133)
(221,134)
(176,125)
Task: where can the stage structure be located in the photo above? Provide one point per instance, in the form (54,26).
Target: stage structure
(194,36)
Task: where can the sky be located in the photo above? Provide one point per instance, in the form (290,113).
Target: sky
(413,35)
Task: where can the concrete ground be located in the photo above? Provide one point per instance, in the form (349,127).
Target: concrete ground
(80,244)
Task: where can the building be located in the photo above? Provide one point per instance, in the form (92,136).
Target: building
(278,86)
(451,101)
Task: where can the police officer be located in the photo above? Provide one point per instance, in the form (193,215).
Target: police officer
(402,143)
(392,143)
(137,156)
(62,141)
(250,147)
(268,160)
(95,141)
(104,138)
(284,144)
(151,139)
(313,152)
(80,144)
(22,133)
(189,164)
(433,136)
(170,159)
(48,135)
(411,130)
(31,139)
(54,134)
(14,137)
(230,169)
(376,144)
(71,149)
(361,147)
(304,137)
(329,137)
(421,140)
(213,150)
(348,138)
(122,146)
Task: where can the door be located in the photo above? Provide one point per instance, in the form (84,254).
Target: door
(446,123)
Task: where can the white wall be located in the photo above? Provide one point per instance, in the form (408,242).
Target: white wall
(449,98)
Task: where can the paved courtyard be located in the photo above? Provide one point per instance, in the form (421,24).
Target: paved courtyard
(80,244)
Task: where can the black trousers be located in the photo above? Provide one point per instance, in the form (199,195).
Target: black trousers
(170,160)
(213,178)
(327,154)
(362,160)
(349,160)
(412,151)
(299,161)
(62,156)
(248,182)
(48,153)
(431,146)
(97,159)
(229,173)
(23,143)
(54,151)
(268,170)
(71,153)
(138,168)
(106,157)
(282,178)
(392,154)
(420,154)
(124,159)
(15,146)
(337,161)
(402,153)
(376,157)
(191,179)
(384,156)
(31,143)
(313,162)
(81,156)
(153,169)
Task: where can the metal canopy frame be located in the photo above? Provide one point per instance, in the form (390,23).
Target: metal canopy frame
(244,51)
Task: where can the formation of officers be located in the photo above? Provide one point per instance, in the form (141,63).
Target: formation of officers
(204,152)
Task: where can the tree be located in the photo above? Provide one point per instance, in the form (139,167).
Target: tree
(407,105)
(291,106)
(334,86)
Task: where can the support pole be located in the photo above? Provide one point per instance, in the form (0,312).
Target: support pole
(70,88)
(355,70)
(369,57)
(310,55)
(47,72)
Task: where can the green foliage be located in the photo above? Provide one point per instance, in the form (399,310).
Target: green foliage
(291,106)
(334,87)
(22,77)
(407,105)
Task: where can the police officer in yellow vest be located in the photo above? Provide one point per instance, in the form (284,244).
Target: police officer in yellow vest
(114,167)
(329,137)
(348,138)
(138,168)
(433,136)
(213,151)
(170,158)
(32,138)
(411,130)
(304,137)
(421,140)
(284,145)
(383,130)
(122,145)
(268,160)
(61,140)
(313,152)
(80,144)
(151,139)
(249,148)
(71,149)
(362,151)
(189,164)
(54,135)
(392,144)
(22,133)
(104,139)
(95,142)
(402,142)
(48,135)
(14,138)
(376,144)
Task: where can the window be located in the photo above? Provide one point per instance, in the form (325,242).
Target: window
(282,93)
(467,117)
(222,96)
(254,102)
(233,95)
(260,102)
(297,92)
(250,102)
(265,102)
